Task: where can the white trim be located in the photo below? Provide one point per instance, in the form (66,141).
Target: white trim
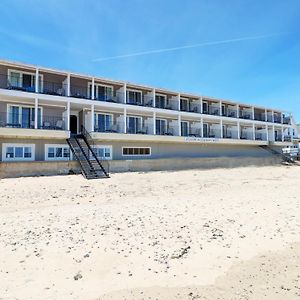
(138,147)
(96,85)
(47,146)
(110,147)
(14,145)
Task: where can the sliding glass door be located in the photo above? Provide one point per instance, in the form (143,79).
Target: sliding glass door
(23,117)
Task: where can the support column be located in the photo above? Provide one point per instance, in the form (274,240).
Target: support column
(68,115)
(125,120)
(238,130)
(220,113)
(267,133)
(153,98)
(125,93)
(282,137)
(221,132)
(154,122)
(273,133)
(92,118)
(201,121)
(253,117)
(201,105)
(178,97)
(266,115)
(93,89)
(68,85)
(179,125)
(37,88)
(253,128)
(36,111)
(272,116)
(237,111)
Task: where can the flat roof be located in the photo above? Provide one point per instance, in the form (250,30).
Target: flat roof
(141,86)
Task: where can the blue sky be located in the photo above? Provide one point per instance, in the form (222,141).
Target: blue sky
(72,35)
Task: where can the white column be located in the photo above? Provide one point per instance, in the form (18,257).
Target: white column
(267,133)
(201,127)
(282,137)
(220,113)
(179,125)
(281,115)
(178,97)
(154,122)
(253,128)
(273,133)
(237,111)
(266,115)
(153,97)
(252,112)
(92,118)
(221,132)
(68,115)
(272,116)
(37,80)
(68,85)
(201,105)
(125,93)
(125,120)
(238,130)
(93,89)
(36,110)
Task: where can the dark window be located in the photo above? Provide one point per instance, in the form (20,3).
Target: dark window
(136,151)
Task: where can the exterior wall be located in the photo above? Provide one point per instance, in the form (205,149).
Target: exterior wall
(59,168)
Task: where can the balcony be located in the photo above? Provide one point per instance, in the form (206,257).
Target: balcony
(109,127)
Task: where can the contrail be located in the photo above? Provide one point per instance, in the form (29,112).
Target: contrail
(187,46)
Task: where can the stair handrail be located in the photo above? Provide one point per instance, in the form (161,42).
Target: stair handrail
(91,145)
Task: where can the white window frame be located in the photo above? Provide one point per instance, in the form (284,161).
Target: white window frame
(47,146)
(20,109)
(90,84)
(188,126)
(135,91)
(41,88)
(14,145)
(166,123)
(105,146)
(187,102)
(136,155)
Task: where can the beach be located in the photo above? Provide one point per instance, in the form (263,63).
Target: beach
(193,234)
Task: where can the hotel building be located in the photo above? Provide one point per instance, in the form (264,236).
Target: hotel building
(41,108)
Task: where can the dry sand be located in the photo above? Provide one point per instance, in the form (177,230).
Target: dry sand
(214,234)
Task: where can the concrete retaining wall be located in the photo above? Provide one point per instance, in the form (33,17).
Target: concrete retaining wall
(18,169)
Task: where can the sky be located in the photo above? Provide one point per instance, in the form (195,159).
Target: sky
(242,50)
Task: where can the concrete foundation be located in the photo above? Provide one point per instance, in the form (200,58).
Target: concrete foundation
(43,168)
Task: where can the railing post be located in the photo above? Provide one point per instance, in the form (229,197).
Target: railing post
(153,96)
(36,109)
(220,113)
(125,93)
(201,122)
(266,115)
(37,80)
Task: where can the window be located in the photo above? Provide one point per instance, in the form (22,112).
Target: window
(103,152)
(101,92)
(23,80)
(134,124)
(57,152)
(18,152)
(22,116)
(161,126)
(205,130)
(134,97)
(160,101)
(205,107)
(136,151)
(184,128)
(103,122)
(184,104)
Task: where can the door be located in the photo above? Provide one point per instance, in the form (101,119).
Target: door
(73,124)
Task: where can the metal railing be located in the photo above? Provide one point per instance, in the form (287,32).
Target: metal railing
(111,127)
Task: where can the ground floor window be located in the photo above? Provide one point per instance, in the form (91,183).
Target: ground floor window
(103,152)
(136,151)
(18,152)
(57,152)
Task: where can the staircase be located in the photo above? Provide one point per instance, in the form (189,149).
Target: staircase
(285,157)
(81,146)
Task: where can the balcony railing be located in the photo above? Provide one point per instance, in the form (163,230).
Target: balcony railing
(171,130)
(260,136)
(109,127)
(245,115)
(19,120)
(138,129)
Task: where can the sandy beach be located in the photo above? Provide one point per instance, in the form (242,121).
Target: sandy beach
(196,234)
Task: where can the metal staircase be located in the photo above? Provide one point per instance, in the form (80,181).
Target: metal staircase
(82,147)
(285,157)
